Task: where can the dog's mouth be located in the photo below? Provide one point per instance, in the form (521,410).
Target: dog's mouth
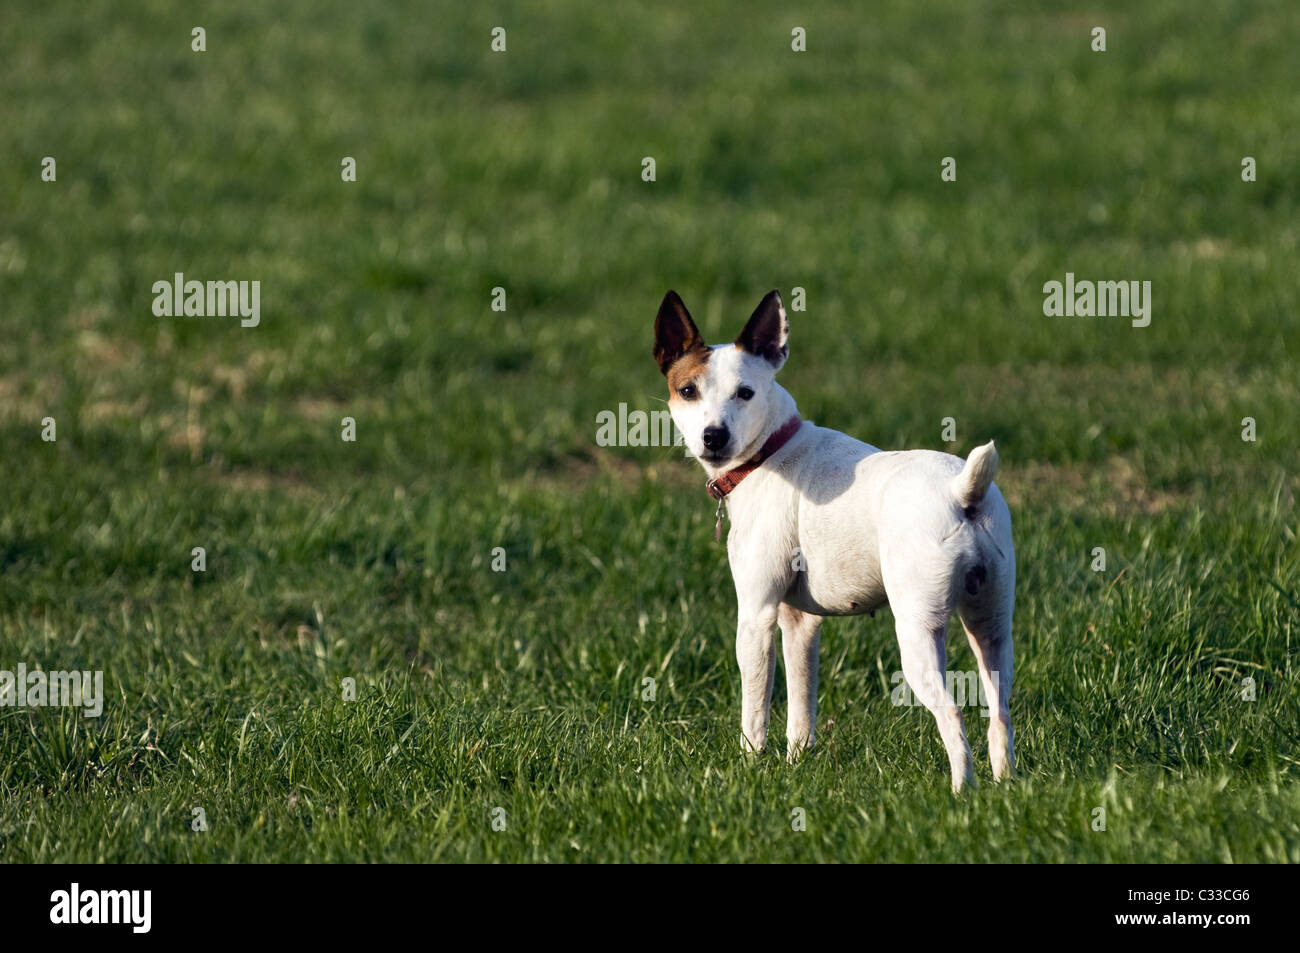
(709,457)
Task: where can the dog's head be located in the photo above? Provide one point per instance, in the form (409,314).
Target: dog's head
(722,398)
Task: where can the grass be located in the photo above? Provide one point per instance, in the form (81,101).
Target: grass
(523,689)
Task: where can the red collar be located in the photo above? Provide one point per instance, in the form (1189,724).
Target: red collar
(719,487)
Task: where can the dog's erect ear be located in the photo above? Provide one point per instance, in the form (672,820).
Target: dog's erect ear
(767,334)
(675,332)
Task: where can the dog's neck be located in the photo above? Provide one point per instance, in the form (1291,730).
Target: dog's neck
(782,409)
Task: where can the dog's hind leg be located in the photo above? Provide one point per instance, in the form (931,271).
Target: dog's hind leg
(921,641)
(800,637)
(986,617)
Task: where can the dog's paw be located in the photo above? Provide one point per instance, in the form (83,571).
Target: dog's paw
(968,782)
(797,752)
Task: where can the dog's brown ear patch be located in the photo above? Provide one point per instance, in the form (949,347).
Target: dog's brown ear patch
(675,332)
(767,333)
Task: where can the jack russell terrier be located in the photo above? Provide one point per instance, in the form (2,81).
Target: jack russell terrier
(823,525)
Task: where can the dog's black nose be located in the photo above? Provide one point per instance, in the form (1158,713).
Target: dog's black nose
(715,438)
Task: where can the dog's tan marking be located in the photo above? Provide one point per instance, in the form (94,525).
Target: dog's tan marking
(686,369)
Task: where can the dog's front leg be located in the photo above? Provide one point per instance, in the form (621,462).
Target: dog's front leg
(800,633)
(755,652)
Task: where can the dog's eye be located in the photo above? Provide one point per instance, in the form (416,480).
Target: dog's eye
(688,392)
(745,393)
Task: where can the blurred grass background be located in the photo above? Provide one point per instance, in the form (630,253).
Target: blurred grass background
(476,428)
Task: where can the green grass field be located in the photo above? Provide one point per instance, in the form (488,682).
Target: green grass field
(476,429)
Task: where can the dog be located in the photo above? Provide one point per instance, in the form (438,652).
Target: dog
(824,525)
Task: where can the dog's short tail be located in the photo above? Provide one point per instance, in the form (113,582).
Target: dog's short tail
(972,483)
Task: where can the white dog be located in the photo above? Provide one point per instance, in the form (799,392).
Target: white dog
(824,525)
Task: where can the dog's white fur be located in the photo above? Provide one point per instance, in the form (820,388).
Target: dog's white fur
(832,526)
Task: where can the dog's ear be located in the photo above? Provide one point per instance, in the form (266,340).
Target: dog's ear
(675,332)
(767,334)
